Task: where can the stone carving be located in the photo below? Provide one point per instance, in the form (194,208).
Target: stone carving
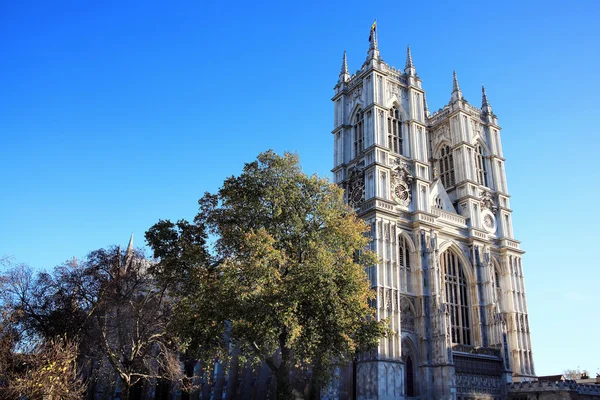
(388,300)
(407,316)
(401,181)
(487,201)
(486,351)
(393,90)
(356,187)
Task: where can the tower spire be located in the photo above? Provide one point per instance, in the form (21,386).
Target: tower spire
(409,62)
(485,104)
(373,49)
(373,36)
(129,251)
(409,68)
(456,93)
(344,75)
(455,87)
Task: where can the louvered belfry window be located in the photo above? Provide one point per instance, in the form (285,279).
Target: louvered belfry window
(394,131)
(447,167)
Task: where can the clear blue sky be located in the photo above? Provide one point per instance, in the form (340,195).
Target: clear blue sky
(114,114)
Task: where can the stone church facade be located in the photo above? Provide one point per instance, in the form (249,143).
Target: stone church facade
(433,189)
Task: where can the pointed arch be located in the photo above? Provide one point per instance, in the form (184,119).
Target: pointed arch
(445,163)
(481,170)
(357,106)
(457,294)
(440,145)
(395,101)
(483,144)
(395,127)
(405,261)
(409,240)
(450,244)
(357,121)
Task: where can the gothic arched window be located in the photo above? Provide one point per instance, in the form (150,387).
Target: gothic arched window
(394,131)
(404,263)
(447,167)
(456,297)
(359,133)
(480,166)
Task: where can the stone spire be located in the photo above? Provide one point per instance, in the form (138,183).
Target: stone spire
(373,49)
(129,251)
(344,75)
(456,93)
(409,68)
(455,86)
(373,37)
(485,104)
(427,113)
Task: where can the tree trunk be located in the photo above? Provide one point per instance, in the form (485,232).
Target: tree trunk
(315,381)
(284,385)
(125,391)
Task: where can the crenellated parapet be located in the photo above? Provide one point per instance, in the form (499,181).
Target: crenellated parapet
(567,388)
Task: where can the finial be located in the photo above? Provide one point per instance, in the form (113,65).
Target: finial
(427,113)
(409,62)
(484,99)
(373,36)
(455,87)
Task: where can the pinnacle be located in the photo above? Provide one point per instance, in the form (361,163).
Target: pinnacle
(344,70)
(455,87)
(484,99)
(409,61)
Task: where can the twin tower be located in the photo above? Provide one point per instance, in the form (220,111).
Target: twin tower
(433,189)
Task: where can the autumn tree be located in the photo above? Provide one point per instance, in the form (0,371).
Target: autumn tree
(287,271)
(33,365)
(108,307)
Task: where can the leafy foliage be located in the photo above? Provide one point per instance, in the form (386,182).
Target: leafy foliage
(108,309)
(286,279)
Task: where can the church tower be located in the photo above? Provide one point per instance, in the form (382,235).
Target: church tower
(449,281)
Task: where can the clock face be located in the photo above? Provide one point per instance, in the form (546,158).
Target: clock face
(356,195)
(401,192)
(489,221)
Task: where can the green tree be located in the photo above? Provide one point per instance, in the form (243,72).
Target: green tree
(289,276)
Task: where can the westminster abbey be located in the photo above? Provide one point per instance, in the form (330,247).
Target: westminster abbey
(433,189)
